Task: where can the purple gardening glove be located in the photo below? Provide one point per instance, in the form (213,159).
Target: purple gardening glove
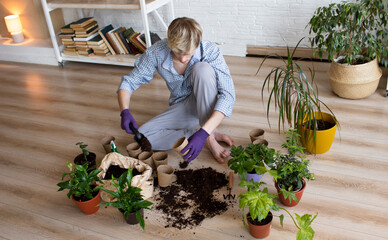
(126,119)
(196,143)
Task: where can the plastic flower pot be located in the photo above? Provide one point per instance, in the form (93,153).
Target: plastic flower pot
(261,229)
(298,193)
(90,206)
(131,218)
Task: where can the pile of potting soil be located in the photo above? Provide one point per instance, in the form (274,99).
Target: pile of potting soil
(191,199)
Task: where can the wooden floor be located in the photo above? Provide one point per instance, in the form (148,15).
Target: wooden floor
(45,110)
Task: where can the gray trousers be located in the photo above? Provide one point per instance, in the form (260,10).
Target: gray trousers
(185,117)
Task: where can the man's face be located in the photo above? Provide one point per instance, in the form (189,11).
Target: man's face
(183,57)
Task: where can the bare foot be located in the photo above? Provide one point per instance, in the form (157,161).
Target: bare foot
(217,150)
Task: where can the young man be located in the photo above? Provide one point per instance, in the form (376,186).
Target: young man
(202,91)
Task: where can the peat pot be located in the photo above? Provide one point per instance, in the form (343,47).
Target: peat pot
(261,229)
(298,193)
(354,81)
(91,206)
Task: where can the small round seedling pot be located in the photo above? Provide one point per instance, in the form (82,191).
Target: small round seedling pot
(165,173)
(256,133)
(105,142)
(146,157)
(160,158)
(133,149)
(262,141)
(180,144)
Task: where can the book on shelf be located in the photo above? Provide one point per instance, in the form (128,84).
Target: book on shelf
(86,27)
(82,22)
(139,45)
(102,33)
(120,41)
(67,29)
(88,52)
(96,41)
(87,33)
(127,34)
(154,37)
(85,39)
(115,44)
(66,35)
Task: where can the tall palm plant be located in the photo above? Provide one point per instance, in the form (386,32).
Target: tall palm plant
(294,95)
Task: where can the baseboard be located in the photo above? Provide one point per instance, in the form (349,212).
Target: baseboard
(281,51)
(38,51)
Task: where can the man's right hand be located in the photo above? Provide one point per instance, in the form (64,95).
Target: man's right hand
(126,119)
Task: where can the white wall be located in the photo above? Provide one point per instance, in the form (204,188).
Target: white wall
(233,24)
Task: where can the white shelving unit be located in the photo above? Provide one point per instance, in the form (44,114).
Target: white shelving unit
(145,6)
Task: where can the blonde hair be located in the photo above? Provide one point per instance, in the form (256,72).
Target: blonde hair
(184,35)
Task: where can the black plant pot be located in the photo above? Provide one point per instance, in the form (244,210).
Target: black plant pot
(131,219)
(91,160)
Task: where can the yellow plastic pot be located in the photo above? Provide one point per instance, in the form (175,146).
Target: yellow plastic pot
(324,138)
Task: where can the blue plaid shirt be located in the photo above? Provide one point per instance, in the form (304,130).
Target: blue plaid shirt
(159,57)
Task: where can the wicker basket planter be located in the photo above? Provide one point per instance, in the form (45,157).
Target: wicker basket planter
(354,81)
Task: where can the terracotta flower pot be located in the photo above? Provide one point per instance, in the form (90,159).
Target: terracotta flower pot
(105,142)
(180,144)
(160,158)
(165,173)
(133,149)
(354,81)
(298,194)
(146,157)
(90,206)
(256,133)
(324,138)
(131,218)
(260,231)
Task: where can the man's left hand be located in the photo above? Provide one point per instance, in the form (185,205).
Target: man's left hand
(196,143)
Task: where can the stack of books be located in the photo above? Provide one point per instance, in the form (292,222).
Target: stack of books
(66,35)
(84,30)
(97,44)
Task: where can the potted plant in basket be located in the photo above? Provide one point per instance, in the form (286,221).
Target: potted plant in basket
(85,156)
(82,187)
(296,98)
(249,163)
(259,217)
(127,199)
(356,34)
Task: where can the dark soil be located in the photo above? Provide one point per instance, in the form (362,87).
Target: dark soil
(321,124)
(91,159)
(145,145)
(265,221)
(184,164)
(192,198)
(117,171)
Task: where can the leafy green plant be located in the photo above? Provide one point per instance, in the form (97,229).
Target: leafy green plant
(81,183)
(355,30)
(291,173)
(83,149)
(128,198)
(260,202)
(294,95)
(251,159)
(292,144)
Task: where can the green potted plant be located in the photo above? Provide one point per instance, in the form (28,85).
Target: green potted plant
(85,156)
(249,163)
(128,199)
(259,217)
(82,187)
(296,99)
(356,34)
